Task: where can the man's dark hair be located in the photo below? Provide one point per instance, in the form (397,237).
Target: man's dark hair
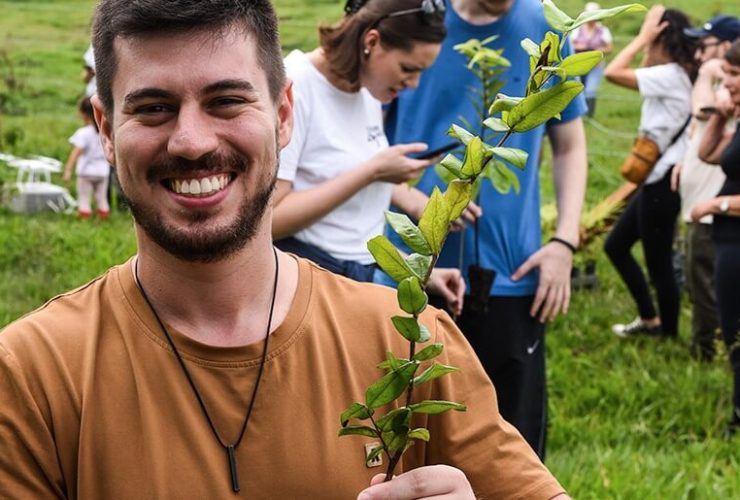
(342,42)
(129,18)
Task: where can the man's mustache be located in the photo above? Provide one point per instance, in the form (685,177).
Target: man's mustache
(169,166)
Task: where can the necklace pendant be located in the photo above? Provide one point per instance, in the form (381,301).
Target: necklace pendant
(231,452)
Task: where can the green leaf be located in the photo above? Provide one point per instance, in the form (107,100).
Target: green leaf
(434,221)
(475,157)
(408,232)
(409,328)
(390,386)
(419,433)
(556,17)
(429,352)
(517,157)
(555,70)
(552,40)
(395,441)
(419,265)
(358,430)
(445,174)
(581,63)
(453,164)
(395,419)
(411,296)
(388,258)
(434,371)
(357,410)
(460,134)
(503,102)
(597,15)
(458,196)
(391,362)
(538,108)
(496,124)
(531,48)
(432,407)
(502,177)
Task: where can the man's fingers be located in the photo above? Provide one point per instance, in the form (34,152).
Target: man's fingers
(523,269)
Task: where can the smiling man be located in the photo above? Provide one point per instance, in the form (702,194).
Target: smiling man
(211,365)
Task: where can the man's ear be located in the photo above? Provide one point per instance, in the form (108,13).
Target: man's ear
(105,128)
(285,115)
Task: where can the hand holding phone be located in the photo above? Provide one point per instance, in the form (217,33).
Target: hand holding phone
(431,153)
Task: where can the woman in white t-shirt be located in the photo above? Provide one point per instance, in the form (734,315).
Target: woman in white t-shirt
(338,174)
(664,81)
(91,167)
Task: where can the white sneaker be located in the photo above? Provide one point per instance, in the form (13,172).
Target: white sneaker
(636,327)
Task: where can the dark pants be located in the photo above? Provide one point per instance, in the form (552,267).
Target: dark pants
(511,347)
(700,286)
(727,278)
(650,217)
(348,268)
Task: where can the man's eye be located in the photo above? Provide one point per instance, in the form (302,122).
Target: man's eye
(227,101)
(152,109)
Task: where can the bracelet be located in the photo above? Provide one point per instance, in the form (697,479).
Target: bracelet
(566,243)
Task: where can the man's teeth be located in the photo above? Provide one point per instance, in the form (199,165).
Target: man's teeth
(202,187)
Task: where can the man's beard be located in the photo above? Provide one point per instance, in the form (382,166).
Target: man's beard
(210,244)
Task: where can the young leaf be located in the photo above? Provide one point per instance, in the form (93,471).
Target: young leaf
(419,264)
(496,124)
(434,371)
(531,48)
(517,157)
(581,63)
(395,441)
(411,296)
(460,134)
(552,43)
(408,232)
(474,159)
(434,221)
(395,419)
(432,407)
(419,433)
(409,328)
(537,108)
(556,17)
(458,196)
(357,410)
(358,430)
(388,258)
(597,15)
(453,164)
(503,102)
(424,334)
(390,386)
(429,352)
(391,362)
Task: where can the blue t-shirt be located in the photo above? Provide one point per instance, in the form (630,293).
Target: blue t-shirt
(510,227)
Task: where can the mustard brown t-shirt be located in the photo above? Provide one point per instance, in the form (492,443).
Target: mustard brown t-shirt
(94,405)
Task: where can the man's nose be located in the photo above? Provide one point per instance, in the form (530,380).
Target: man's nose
(193,136)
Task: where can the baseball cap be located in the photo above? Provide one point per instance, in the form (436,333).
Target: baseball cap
(723,27)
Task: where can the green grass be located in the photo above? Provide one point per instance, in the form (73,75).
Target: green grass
(629,418)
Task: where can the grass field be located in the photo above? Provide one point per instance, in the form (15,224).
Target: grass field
(629,418)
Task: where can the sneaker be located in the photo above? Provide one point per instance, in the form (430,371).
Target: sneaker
(636,327)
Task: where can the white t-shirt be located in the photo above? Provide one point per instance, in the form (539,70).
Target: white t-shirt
(666,104)
(92,162)
(699,181)
(334,132)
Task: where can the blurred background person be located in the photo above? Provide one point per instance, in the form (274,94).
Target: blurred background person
(664,81)
(89,163)
(592,36)
(722,146)
(697,182)
(338,174)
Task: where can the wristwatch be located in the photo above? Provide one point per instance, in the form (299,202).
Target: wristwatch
(724,205)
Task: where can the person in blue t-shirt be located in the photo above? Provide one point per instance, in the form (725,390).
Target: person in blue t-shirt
(532,281)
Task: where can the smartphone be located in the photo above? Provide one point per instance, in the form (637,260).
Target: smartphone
(707,110)
(431,153)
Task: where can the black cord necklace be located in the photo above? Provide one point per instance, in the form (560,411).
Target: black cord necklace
(230,448)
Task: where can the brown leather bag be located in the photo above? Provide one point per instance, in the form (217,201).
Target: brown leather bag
(640,161)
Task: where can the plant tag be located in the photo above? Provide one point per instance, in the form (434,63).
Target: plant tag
(375,462)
